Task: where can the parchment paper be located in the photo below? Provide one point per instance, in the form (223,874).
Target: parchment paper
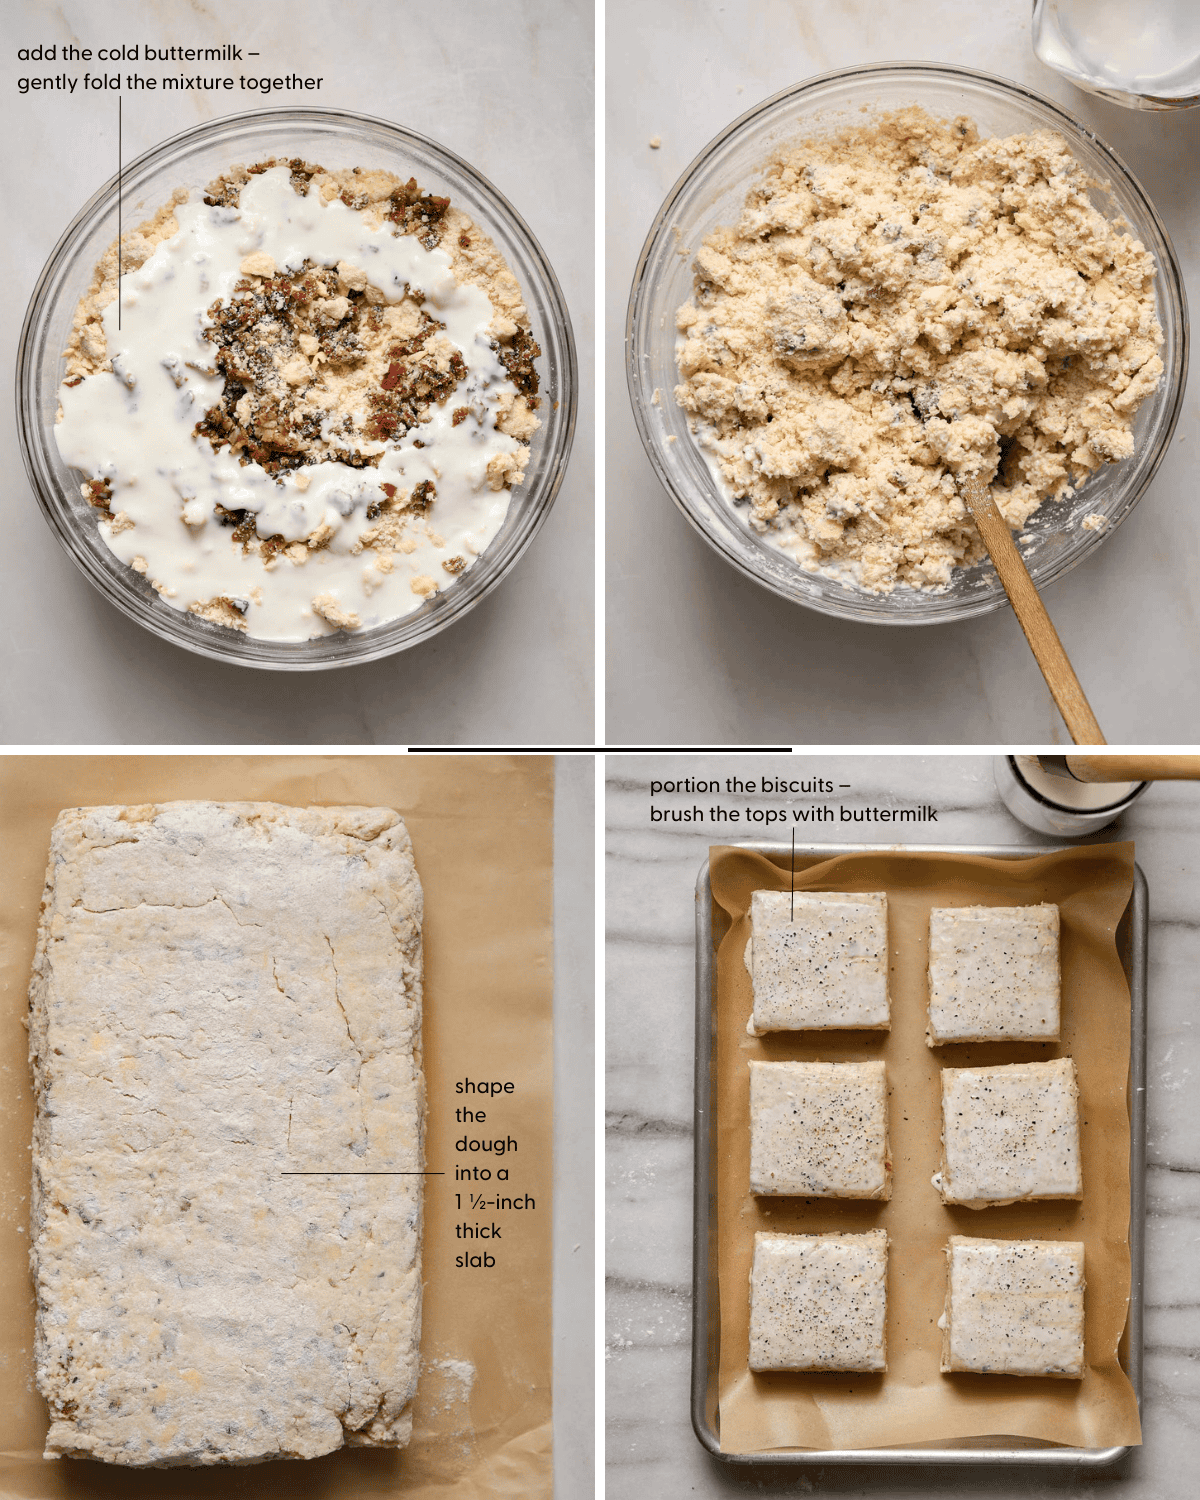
(913,1402)
(481,829)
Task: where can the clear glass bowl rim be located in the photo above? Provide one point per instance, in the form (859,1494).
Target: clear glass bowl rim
(641,398)
(341,649)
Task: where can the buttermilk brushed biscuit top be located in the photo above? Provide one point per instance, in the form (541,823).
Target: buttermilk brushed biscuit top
(902,303)
(1010,1133)
(224,994)
(819,1129)
(818,960)
(819,1301)
(993,973)
(1013,1307)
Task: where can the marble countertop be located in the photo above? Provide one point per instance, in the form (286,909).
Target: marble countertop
(651,874)
(510,89)
(686,630)
(574,1122)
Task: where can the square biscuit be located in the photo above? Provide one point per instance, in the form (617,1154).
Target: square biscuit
(821,966)
(819,1301)
(993,974)
(225,1034)
(819,1130)
(1010,1133)
(1013,1307)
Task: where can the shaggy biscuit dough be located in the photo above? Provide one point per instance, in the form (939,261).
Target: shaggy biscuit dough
(224,993)
(901,304)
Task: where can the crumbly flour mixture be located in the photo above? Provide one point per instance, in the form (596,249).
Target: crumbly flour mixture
(900,304)
(319,398)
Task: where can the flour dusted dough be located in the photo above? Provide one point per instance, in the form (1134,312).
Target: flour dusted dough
(223,993)
(900,304)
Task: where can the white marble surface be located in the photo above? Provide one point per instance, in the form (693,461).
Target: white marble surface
(686,631)
(651,874)
(509,88)
(574,1126)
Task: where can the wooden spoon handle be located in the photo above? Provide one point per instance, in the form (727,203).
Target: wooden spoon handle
(1134,767)
(1031,614)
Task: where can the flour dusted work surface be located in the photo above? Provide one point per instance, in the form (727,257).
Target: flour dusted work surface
(223,994)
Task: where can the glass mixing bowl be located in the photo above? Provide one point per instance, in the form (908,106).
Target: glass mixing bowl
(334,139)
(711,192)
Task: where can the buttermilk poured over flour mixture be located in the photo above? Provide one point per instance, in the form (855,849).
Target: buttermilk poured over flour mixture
(318,400)
(900,304)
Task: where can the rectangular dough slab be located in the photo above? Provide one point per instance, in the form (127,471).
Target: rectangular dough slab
(818,961)
(1013,1307)
(1010,1134)
(224,993)
(993,974)
(819,1301)
(819,1130)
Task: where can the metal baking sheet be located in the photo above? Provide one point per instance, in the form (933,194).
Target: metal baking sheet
(706,1298)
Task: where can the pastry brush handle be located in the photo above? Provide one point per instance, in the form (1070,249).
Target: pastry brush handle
(1134,767)
(1031,614)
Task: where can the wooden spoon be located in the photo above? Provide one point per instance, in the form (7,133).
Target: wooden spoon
(1122,767)
(1031,612)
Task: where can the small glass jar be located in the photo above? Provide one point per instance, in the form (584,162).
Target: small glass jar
(1144,56)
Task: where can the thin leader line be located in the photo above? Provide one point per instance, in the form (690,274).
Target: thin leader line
(362,1174)
(119,189)
(793,916)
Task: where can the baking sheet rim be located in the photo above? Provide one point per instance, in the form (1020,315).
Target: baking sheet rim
(703,1222)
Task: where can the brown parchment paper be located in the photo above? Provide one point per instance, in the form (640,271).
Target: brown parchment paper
(481,829)
(913,1402)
